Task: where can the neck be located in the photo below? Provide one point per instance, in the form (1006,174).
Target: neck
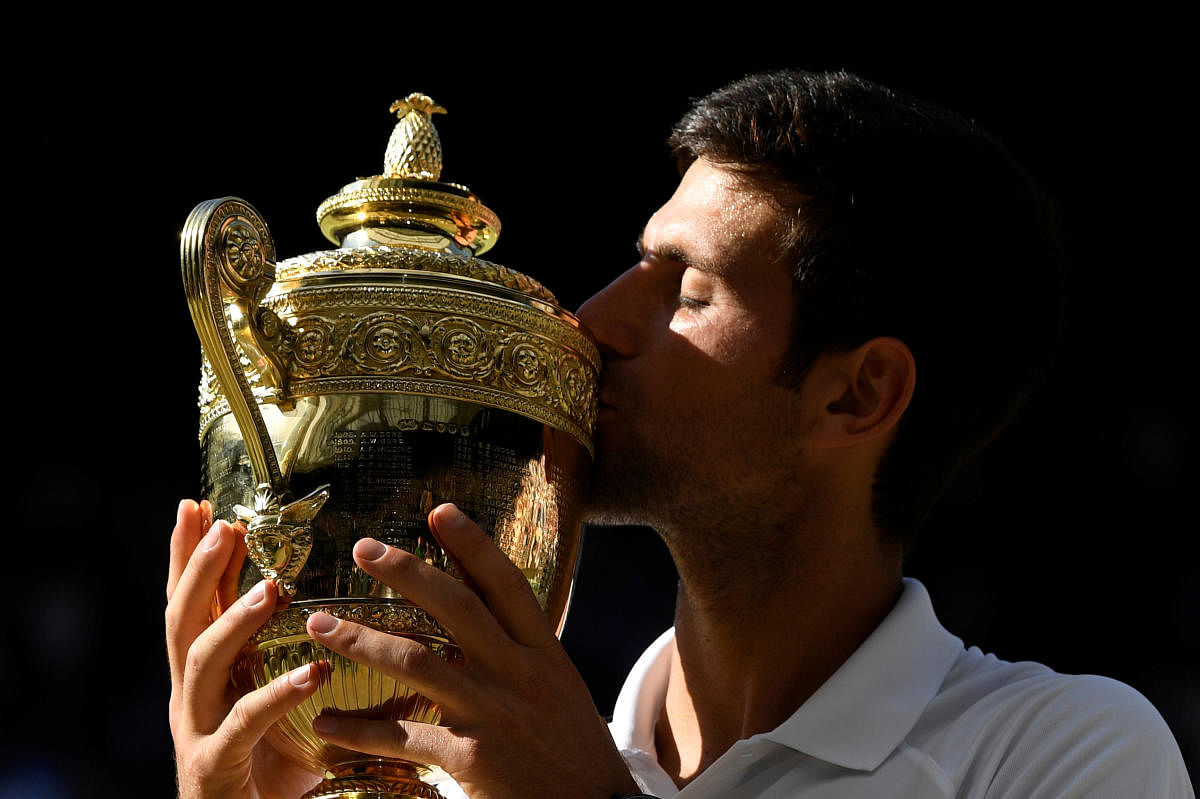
(756,636)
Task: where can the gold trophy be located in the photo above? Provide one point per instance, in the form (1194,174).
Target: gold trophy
(345,393)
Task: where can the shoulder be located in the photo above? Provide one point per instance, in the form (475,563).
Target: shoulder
(1024,693)
(1000,729)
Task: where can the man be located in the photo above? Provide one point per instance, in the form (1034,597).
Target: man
(849,293)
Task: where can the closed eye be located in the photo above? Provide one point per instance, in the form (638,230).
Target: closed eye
(695,289)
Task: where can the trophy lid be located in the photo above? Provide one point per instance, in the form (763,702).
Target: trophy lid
(408,206)
(403,306)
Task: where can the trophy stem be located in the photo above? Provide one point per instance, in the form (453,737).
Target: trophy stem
(373,779)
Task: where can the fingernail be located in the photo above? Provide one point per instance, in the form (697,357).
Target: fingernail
(212,537)
(300,677)
(451,516)
(369,549)
(255,594)
(322,623)
(326,724)
(185,505)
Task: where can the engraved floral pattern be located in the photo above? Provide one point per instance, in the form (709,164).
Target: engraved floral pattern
(382,343)
(314,344)
(338,339)
(242,250)
(461,347)
(269,324)
(385,258)
(385,343)
(577,387)
(527,365)
(388,617)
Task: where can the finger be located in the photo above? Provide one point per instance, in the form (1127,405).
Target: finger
(188,609)
(458,572)
(214,651)
(502,584)
(190,526)
(408,661)
(456,607)
(255,712)
(408,740)
(228,587)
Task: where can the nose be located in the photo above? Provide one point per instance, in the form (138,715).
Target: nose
(611,314)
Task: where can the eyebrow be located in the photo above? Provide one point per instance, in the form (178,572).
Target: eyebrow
(672,252)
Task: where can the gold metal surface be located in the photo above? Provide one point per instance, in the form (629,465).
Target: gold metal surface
(428,335)
(414,149)
(346,687)
(384,257)
(374,382)
(374,779)
(406,205)
(279,537)
(228,257)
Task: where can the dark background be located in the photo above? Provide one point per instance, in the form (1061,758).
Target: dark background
(1071,541)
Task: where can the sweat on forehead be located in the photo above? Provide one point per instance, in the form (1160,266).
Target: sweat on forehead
(731,207)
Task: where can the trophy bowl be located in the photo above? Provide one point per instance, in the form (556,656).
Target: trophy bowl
(347,392)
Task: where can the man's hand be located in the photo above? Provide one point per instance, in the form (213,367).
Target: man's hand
(217,736)
(517,718)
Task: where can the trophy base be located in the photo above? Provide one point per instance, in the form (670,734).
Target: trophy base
(373,779)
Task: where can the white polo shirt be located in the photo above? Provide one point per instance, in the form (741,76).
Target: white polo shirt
(913,714)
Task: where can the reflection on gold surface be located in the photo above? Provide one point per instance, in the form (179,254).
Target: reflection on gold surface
(346,688)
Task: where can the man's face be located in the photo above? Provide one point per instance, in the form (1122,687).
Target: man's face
(693,423)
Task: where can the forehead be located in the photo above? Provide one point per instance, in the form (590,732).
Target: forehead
(714,217)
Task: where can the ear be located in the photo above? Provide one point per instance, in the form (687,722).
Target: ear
(862,393)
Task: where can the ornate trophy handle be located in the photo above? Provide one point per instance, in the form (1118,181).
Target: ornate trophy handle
(227,251)
(228,256)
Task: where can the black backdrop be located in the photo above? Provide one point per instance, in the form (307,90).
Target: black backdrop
(1071,541)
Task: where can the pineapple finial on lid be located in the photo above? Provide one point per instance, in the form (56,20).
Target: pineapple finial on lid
(414,150)
(408,205)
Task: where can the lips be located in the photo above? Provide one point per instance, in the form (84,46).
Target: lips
(604,407)
(609,394)
(606,399)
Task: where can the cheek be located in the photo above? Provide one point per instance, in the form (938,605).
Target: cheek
(713,334)
(691,326)
(731,342)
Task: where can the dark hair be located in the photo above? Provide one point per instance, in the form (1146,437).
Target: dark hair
(906,220)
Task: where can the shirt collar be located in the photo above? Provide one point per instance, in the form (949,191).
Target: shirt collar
(864,711)
(642,697)
(855,719)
